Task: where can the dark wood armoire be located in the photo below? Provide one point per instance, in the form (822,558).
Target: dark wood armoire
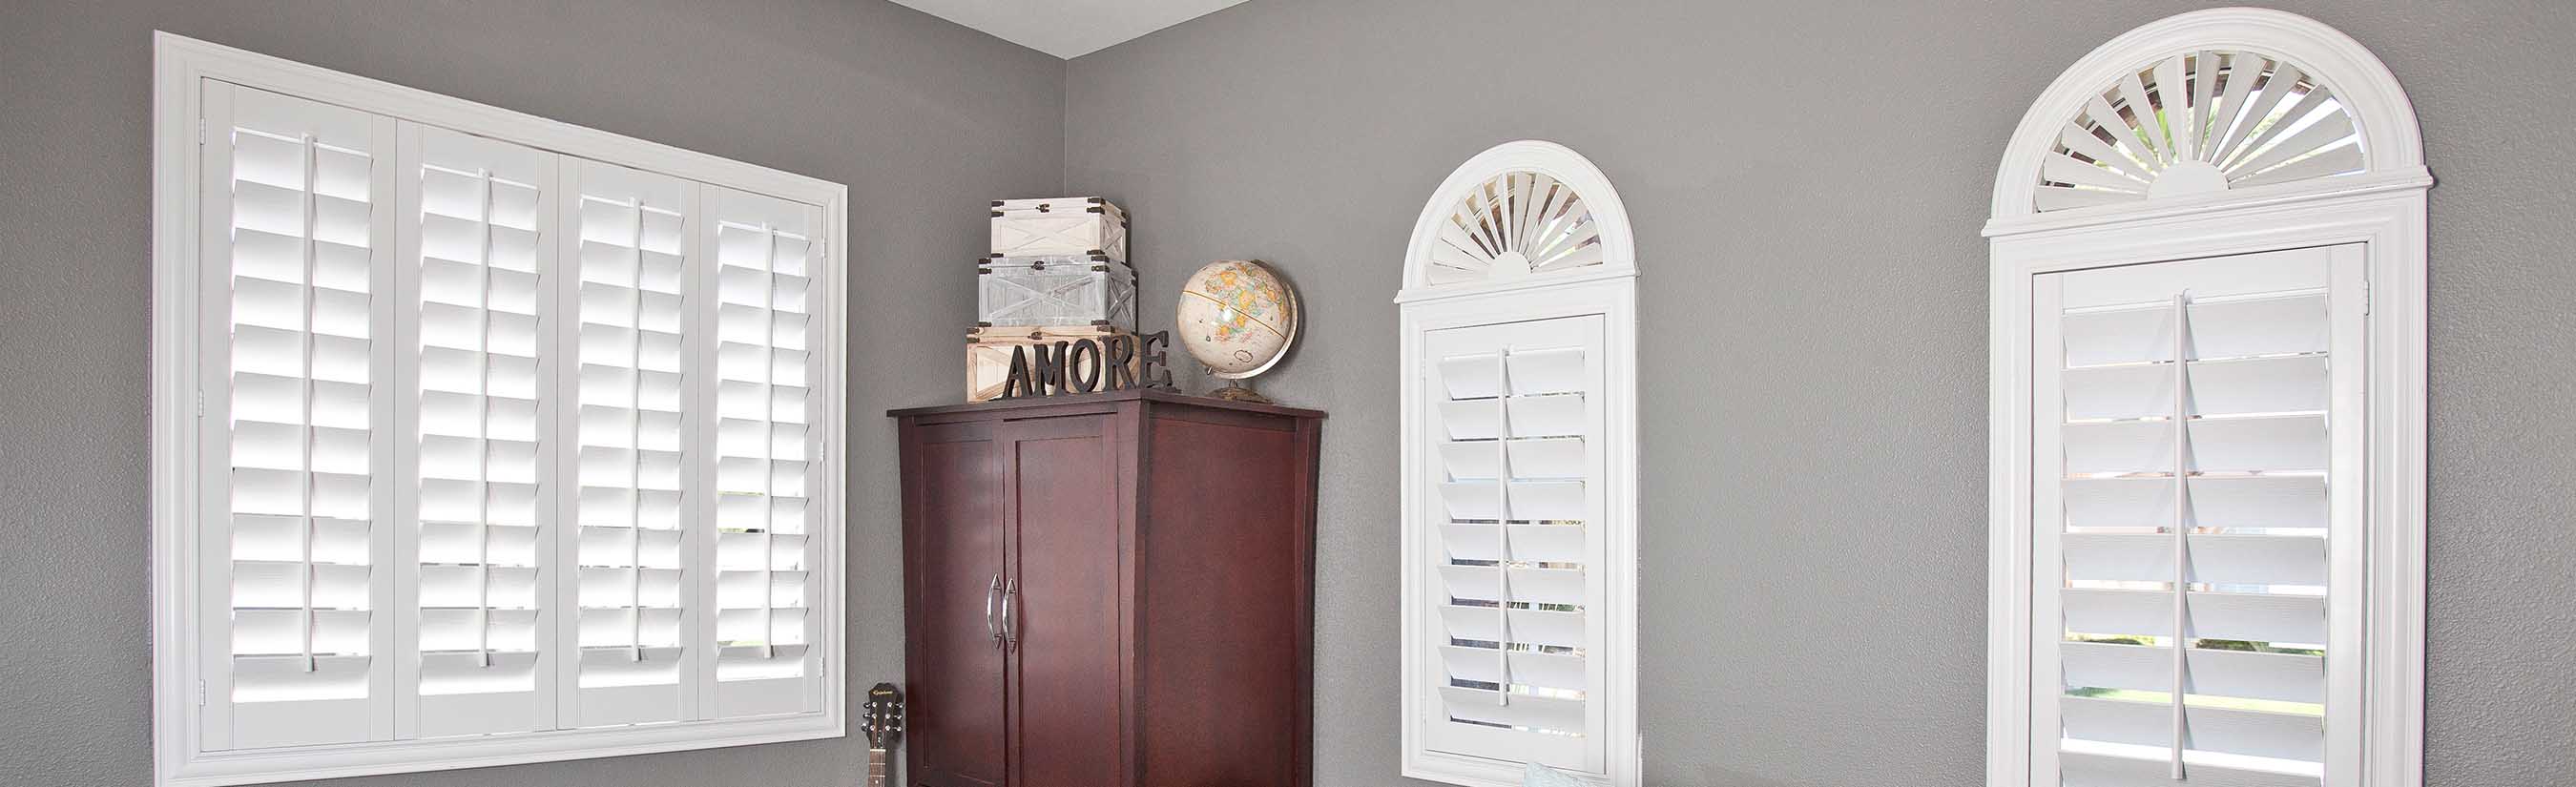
(1109,590)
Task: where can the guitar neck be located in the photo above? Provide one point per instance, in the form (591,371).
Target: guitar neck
(876,767)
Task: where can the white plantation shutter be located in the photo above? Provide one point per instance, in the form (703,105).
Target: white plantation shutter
(627,312)
(766,453)
(479,279)
(2196,514)
(297,453)
(500,454)
(1516,434)
(1520,464)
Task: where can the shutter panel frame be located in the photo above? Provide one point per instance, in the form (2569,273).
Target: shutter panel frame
(623,236)
(1559,506)
(476,275)
(2255,510)
(292,703)
(770,307)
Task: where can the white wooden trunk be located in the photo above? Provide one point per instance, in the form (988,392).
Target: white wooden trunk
(1056,290)
(1058,226)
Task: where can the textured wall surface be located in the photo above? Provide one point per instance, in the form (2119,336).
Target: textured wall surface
(1807,181)
(922,119)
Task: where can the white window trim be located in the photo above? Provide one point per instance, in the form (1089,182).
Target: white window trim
(179,65)
(2382,207)
(1609,290)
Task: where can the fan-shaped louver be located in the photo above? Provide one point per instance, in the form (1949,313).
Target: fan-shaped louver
(1514,225)
(2197,123)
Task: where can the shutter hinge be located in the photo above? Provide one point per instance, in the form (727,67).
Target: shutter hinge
(201,694)
(201,404)
(201,132)
(2365,296)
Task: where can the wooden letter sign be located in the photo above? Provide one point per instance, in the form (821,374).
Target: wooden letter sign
(1087,365)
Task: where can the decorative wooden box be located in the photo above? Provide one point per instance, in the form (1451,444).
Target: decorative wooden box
(988,353)
(1060,290)
(1059,226)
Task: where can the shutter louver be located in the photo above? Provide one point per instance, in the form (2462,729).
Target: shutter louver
(484,363)
(296,186)
(765,454)
(2193,454)
(631,464)
(1516,438)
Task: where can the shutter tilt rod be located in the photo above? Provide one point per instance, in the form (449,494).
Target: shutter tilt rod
(1503,527)
(2181,521)
(483,436)
(311,219)
(635,446)
(768,444)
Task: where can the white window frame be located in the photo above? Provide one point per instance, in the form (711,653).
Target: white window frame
(180,65)
(1608,290)
(2383,207)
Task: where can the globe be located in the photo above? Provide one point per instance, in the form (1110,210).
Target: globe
(1237,317)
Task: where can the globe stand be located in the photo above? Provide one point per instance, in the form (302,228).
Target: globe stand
(1237,393)
(1239,390)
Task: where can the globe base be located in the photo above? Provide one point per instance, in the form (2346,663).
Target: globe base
(1238,393)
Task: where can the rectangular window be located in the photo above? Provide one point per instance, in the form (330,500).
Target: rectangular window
(509,438)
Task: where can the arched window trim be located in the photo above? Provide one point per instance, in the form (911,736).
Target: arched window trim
(1619,249)
(2381,207)
(2392,143)
(1607,291)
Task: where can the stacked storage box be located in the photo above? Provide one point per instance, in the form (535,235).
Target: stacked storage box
(1058,271)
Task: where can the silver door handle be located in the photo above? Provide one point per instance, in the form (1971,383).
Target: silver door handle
(1010,634)
(991,630)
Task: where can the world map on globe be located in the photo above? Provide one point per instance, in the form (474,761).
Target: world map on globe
(1237,317)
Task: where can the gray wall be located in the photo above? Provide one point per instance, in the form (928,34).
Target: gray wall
(1807,181)
(924,120)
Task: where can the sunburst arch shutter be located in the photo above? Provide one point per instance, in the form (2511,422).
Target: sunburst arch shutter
(2199,122)
(1512,226)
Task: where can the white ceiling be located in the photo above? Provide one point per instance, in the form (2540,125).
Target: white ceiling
(1068,28)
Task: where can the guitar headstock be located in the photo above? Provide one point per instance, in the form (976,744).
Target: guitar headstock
(881,716)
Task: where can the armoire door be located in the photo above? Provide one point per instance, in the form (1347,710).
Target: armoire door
(1061,600)
(956,728)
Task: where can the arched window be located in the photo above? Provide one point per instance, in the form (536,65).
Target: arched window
(1519,332)
(2208,425)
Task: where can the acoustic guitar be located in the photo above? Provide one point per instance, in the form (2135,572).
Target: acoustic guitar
(881,717)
